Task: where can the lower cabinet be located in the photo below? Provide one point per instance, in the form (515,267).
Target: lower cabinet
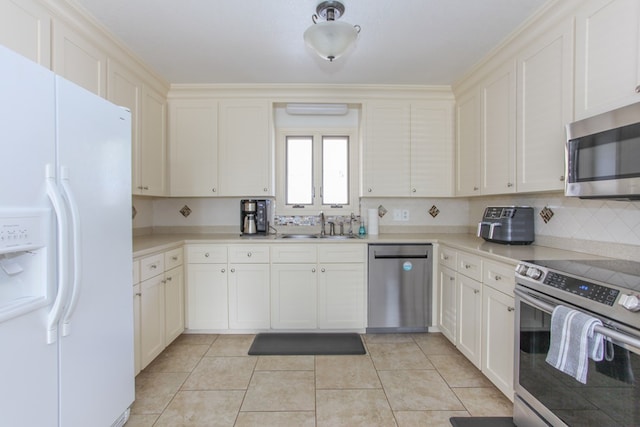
(469,322)
(341,296)
(152,337)
(293,296)
(207,296)
(249,296)
(173,303)
(447,293)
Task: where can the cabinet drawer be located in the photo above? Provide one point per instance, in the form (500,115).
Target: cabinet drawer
(470,266)
(294,253)
(207,254)
(136,271)
(173,258)
(342,252)
(151,266)
(249,254)
(447,257)
(501,277)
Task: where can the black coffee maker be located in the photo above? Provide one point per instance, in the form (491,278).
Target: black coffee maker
(254,216)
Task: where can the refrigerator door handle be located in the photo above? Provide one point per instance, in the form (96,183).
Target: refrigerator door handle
(76,250)
(62,223)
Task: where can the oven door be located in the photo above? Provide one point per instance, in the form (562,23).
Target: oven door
(546,396)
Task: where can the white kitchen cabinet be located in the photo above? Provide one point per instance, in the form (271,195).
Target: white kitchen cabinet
(249,296)
(294,296)
(498,131)
(136,317)
(125,88)
(468,123)
(545,105)
(387,149)
(193,147)
(498,308)
(607,56)
(152,307)
(448,303)
(77,59)
(174,303)
(469,318)
(245,148)
(149,168)
(207,293)
(25,27)
(408,149)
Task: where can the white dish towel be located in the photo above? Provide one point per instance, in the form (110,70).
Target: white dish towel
(573,342)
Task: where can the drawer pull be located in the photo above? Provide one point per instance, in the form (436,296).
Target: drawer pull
(222,270)
(206,255)
(174,258)
(153,266)
(249,254)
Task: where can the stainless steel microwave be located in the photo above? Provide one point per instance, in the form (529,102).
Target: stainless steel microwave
(602,158)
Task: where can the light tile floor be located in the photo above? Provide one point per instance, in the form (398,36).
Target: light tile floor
(403,380)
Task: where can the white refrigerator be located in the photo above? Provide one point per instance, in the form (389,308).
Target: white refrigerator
(66,308)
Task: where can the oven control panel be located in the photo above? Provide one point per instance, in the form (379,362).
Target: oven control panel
(592,291)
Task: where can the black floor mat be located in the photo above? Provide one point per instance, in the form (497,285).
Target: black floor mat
(482,421)
(273,344)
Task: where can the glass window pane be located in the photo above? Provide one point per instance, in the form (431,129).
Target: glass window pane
(335,170)
(299,172)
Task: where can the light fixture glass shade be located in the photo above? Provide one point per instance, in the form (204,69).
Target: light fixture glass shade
(331,39)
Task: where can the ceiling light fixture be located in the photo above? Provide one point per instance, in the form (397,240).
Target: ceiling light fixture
(331,38)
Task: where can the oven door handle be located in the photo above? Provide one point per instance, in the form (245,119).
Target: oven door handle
(613,334)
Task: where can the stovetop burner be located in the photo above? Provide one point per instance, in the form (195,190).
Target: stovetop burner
(625,274)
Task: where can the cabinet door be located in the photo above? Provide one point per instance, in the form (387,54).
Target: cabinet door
(193,147)
(469,318)
(607,55)
(293,296)
(151,319)
(136,329)
(448,303)
(125,88)
(341,296)
(246,152)
(151,164)
(25,27)
(498,327)
(545,105)
(432,149)
(76,59)
(499,131)
(174,304)
(249,299)
(207,297)
(386,149)
(468,144)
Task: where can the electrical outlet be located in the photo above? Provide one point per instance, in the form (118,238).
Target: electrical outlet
(397,215)
(405,215)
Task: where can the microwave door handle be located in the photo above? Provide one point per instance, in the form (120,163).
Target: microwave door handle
(625,338)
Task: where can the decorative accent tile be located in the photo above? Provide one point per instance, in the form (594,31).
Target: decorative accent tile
(546,214)
(134,212)
(381,211)
(185,211)
(434,211)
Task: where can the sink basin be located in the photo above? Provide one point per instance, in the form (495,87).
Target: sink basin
(339,237)
(299,236)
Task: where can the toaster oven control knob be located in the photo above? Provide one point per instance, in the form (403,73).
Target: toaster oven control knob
(630,302)
(534,273)
(521,269)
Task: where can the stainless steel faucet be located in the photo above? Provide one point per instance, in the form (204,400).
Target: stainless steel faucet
(322,232)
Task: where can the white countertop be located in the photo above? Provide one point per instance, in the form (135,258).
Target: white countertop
(148,244)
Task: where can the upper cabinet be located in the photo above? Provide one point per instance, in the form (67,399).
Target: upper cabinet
(607,56)
(193,147)
(468,144)
(245,148)
(149,168)
(408,149)
(77,59)
(25,27)
(545,95)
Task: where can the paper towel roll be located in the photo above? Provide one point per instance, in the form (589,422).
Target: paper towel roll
(373,221)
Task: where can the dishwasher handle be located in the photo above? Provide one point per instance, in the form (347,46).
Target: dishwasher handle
(417,256)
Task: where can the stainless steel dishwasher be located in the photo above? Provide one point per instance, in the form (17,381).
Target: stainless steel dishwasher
(399,288)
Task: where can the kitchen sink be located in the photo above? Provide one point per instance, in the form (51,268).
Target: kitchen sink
(317,236)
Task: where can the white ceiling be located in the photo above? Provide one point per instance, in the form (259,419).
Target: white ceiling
(260,41)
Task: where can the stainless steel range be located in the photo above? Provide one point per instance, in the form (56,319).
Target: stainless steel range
(606,289)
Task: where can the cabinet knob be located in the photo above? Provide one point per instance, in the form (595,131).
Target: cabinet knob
(145,188)
(233,270)
(313,270)
(138,294)
(414,190)
(153,266)
(369,190)
(164,281)
(445,257)
(451,278)
(222,270)
(476,291)
(174,258)
(322,269)
(213,190)
(561,177)
(265,189)
(169,279)
(510,308)
(475,188)
(139,187)
(467,266)
(497,278)
(638,89)
(206,255)
(509,184)
(249,254)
